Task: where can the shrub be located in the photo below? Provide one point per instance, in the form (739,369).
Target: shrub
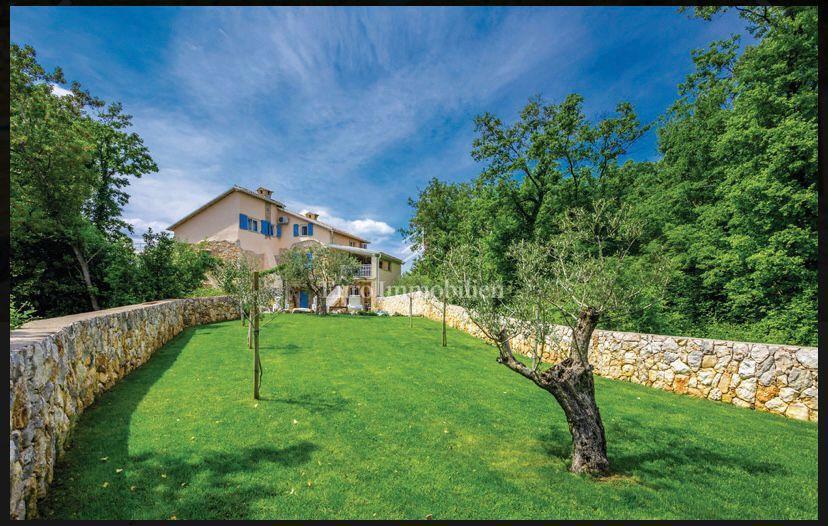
(19,314)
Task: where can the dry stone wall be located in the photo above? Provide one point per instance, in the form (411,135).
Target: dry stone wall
(59,366)
(781,379)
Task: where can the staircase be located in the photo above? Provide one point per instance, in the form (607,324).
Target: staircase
(335,298)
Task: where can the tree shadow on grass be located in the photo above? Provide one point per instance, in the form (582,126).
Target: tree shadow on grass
(312,402)
(211,484)
(284,348)
(658,456)
(98,478)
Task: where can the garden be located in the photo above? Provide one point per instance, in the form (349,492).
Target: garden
(367,417)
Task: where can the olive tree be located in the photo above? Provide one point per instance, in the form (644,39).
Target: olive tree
(574,278)
(319,268)
(235,277)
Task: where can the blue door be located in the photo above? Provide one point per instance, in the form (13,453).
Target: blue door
(303,299)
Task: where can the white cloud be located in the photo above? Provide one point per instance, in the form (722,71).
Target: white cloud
(142,224)
(373,230)
(368,228)
(298,67)
(60,92)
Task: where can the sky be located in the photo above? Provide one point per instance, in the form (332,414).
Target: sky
(348,111)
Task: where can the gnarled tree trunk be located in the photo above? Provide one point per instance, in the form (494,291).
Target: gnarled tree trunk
(572,386)
(571,383)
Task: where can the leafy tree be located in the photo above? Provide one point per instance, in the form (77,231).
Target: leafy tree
(436,223)
(119,155)
(235,277)
(318,268)
(170,268)
(552,153)
(576,277)
(70,159)
(50,161)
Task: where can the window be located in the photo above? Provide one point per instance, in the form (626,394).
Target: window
(364,245)
(254,225)
(304,230)
(352,243)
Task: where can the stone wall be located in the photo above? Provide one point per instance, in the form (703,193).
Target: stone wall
(59,366)
(782,379)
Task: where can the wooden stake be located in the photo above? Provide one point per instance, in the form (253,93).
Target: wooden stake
(255,321)
(444,320)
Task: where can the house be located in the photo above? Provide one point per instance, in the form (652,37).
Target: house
(260,225)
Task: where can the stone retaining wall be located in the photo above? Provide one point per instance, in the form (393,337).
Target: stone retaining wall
(781,379)
(59,366)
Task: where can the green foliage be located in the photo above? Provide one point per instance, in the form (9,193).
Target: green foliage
(19,313)
(412,281)
(314,449)
(70,159)
(171,269)
(435,225)
(732,202)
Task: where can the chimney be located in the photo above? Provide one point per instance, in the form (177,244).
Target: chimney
(311,215)
(264,192)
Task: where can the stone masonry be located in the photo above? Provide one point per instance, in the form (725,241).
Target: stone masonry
(59,366)
(781,379)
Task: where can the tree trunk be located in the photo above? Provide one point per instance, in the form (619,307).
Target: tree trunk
(410,311)
(572,385)
(250,335)
(444,322)
(87,278)
(254,323)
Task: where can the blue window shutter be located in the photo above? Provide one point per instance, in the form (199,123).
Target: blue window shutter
(278,230)
(295,229)
(310,229)
(243,221)
(265,227)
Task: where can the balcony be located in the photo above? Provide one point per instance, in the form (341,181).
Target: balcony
(364,271)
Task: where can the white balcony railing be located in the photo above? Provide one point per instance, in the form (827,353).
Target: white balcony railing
(364,271)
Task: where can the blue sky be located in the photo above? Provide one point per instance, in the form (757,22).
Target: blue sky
(349,111)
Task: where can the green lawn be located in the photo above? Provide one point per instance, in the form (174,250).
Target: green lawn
(364,417)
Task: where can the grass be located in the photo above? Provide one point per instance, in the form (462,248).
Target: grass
(364,417)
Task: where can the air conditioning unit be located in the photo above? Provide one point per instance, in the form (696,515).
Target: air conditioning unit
(283,220)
